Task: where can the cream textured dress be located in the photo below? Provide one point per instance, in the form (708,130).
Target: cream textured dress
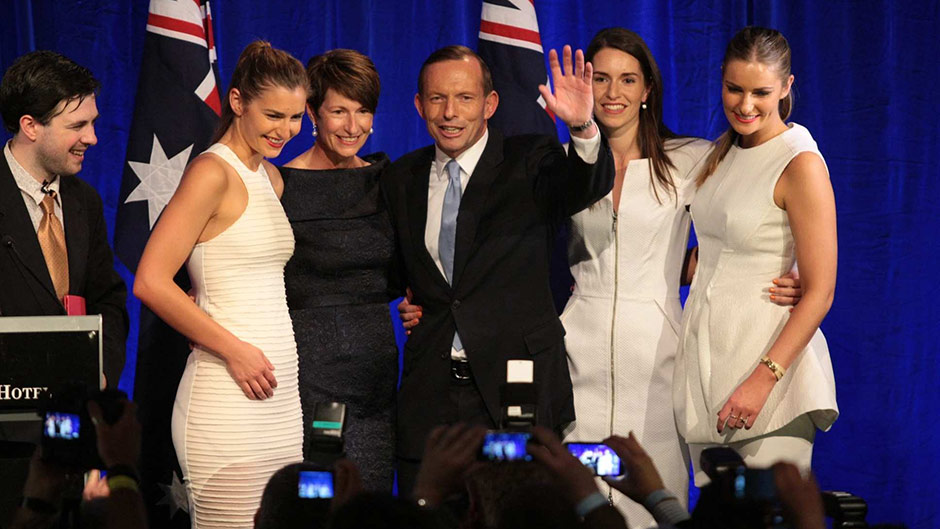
(729,322)
(622,319)
(228,445)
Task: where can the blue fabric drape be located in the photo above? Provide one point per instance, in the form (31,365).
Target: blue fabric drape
(865,74)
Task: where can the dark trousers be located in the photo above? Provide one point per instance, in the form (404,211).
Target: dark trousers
(468,403)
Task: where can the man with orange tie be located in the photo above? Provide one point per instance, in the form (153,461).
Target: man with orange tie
(53,240)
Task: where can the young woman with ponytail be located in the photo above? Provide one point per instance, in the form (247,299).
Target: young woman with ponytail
(234,422)
(749,373)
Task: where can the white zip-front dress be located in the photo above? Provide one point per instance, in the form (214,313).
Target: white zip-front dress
(622,320)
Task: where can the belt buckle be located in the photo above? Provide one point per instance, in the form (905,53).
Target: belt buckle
(460,369)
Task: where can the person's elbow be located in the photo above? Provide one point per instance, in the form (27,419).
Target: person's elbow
(145,285)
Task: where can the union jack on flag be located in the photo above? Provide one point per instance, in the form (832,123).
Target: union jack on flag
(511,45)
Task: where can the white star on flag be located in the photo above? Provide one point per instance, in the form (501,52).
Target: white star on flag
(174,496)
(158,179)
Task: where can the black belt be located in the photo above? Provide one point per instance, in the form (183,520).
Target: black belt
(460,369)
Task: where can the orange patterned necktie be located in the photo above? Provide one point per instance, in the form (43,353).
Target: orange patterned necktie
(52,240)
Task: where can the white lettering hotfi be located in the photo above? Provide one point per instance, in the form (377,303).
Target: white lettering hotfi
(10,392)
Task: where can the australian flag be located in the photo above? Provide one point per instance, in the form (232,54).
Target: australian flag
(176,112)
(511,45)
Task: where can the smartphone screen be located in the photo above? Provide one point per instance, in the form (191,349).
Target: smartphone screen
(598,457)
(505,446)
(755,484)
(61,425)
(315,484)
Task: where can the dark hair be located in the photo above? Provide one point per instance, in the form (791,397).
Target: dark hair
(752,44)
(37,82)
(652,132)
(456,53)
(349,73)
(378,510)
(281,508)
(519,495)
(260,66)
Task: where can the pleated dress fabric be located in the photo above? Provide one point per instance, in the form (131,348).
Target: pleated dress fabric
(622,319)
(228,445)
(729,322)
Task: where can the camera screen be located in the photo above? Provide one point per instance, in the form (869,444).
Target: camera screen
(598,457)
(60,425)
(755,484)
(506,446)
(315,484)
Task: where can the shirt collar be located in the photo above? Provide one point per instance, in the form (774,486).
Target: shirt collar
(25,181)
(467,160)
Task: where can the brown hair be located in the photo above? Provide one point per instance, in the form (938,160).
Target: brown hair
(260,66)
(456,53)
(349,73)
(752,44)
(652,131)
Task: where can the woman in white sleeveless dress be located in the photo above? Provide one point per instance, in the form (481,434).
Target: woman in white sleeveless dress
(750,374)
(237,416)
(627,255)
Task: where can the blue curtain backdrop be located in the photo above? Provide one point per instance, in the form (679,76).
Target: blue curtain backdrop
(865,76)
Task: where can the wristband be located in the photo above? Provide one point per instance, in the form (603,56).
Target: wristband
(39,505)
(589,503)
(122,482)
(123,470)
(582,127)
(655,497)
(773,366)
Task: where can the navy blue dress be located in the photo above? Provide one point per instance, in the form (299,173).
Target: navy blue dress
(338,293)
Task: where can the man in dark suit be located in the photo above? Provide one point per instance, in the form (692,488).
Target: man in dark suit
(475,216)
(48,103)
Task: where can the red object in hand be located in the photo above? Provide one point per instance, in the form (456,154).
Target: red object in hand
(74,305)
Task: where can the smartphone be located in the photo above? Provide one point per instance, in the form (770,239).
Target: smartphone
(316,484)
(755,484)
(599,457)
(505,446)
(61,425)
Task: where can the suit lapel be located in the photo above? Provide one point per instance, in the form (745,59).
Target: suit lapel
(417,199)
(76,232)
(15,223)
(474,199)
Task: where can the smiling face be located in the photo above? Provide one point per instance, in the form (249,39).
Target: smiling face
(619,90)
(750,93)
(61,144)
(453,104)
(268,121)
(342,125)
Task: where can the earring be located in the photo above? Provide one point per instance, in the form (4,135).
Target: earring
(643,106)
(371,130)
(314,130)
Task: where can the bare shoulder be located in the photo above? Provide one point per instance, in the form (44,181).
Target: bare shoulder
(206,173)
(803,166)
(274,175)
(805,178)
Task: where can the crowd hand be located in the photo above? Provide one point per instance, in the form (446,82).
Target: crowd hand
(96,486)
(641,477)
(410,314)
(577,479)
(741,409)
(46,480)
(787,289)
(800,497)
(252,371)
(118,443)
(449,454)
(573,100)
(348,483)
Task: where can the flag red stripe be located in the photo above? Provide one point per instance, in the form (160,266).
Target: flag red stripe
(511,32)
(174,24)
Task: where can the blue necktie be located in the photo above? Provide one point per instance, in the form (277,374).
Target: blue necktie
(447,239)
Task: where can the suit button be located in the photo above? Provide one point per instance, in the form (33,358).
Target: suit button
(455,305)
